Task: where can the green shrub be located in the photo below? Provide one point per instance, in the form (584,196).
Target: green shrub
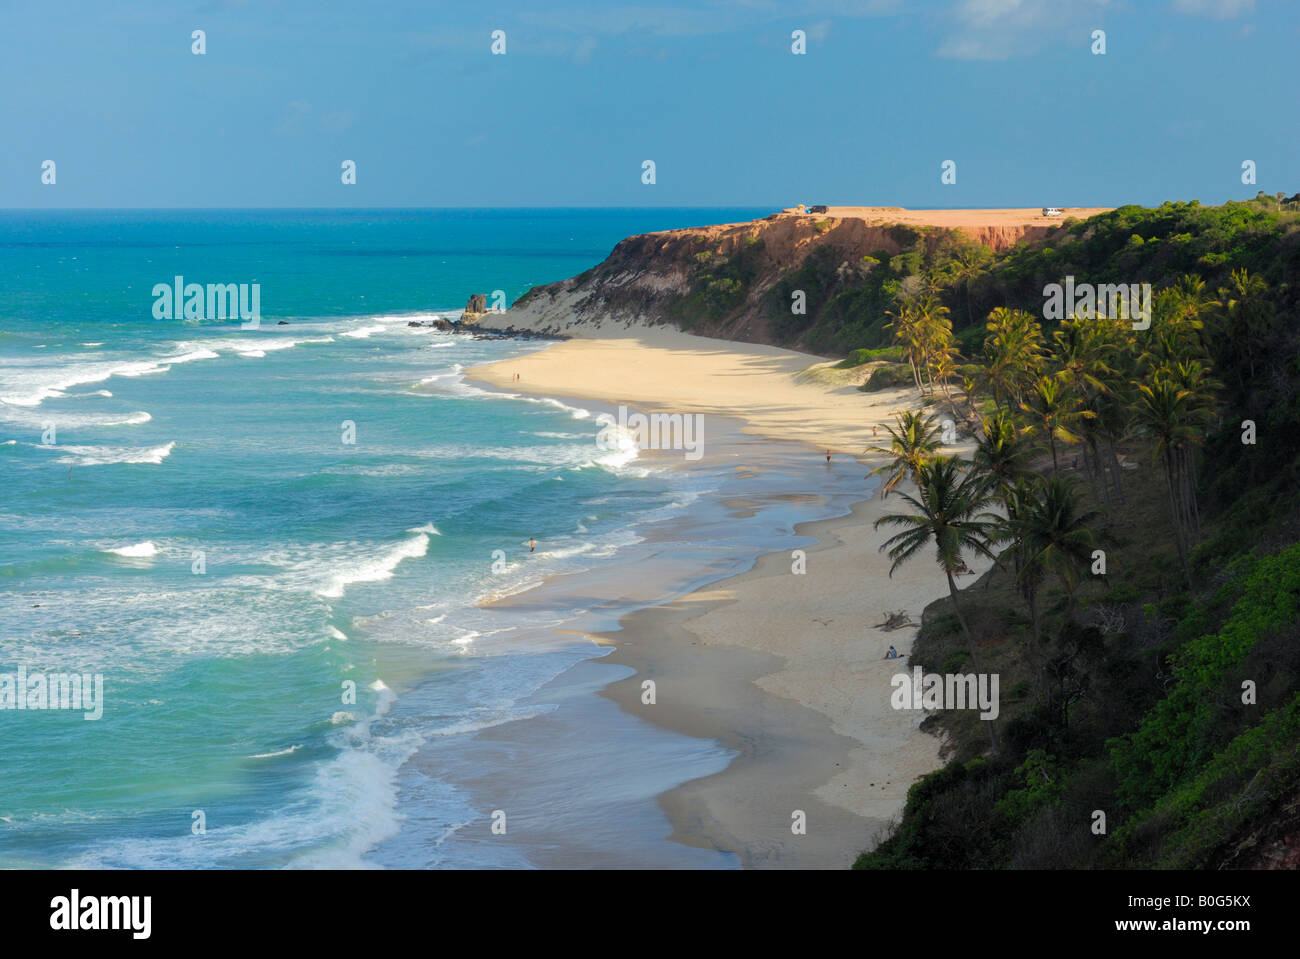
(887,377)
(858,357)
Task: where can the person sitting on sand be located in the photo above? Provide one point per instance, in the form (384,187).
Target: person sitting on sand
(892,654)
(962,569)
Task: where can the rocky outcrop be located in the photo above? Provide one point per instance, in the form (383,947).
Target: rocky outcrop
(472,328)
(437,323)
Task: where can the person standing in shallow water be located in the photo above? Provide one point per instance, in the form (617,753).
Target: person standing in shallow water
(828,456)
(532,544)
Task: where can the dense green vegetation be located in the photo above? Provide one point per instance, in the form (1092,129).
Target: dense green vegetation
(718,285)
(1159,687)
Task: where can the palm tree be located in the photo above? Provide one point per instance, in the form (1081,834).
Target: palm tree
(944,365)
(907,332)
(1192,301)
(1248,317)
(1052,536)
(1112,405)
(1084,349)
(950,512)
(1013,352)
(911,446)
(1175,405)
(1000,454)
(934,330)
(967,264)
(1054,413)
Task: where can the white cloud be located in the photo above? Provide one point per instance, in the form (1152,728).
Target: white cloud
(1001,29)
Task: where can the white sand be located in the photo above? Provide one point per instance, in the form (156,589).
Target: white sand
(819,625)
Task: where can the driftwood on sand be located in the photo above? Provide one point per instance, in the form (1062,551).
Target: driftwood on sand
(895,620)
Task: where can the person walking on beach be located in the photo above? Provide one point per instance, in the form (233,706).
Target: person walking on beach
(532,544)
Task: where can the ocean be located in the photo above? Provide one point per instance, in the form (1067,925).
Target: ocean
(277,546)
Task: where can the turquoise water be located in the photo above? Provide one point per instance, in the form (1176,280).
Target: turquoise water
(182,513)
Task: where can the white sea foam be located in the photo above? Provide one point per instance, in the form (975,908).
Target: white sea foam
(33,385)
(402,319)
(38,420)
(279,752)
(450,374)
(364,332)
(375,569)
(577,412)
(143,550)
(191,356)
(106,455)
(426,528)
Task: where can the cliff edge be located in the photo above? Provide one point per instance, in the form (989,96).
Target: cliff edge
(732,280)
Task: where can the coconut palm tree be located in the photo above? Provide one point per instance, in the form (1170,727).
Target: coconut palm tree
(1001,455)
(1083,354)
(1051,535)
(950,511)
(907,332)
(1013,353)
(1054,413)
(913,443)
(944,360)
(1247,317)
(967,264)
(935,331)
(1175,405)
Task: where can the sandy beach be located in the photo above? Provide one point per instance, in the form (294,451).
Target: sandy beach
(785,667)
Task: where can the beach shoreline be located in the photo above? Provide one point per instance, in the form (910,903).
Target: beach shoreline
(783,663)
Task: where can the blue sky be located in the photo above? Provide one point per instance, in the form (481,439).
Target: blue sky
(710,91)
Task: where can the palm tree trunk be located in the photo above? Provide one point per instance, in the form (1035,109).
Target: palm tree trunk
(1115,467)
(1098,464)
(1090,466)
(1171,481)
(1190,473)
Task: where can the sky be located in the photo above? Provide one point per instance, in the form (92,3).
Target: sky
(710,91)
